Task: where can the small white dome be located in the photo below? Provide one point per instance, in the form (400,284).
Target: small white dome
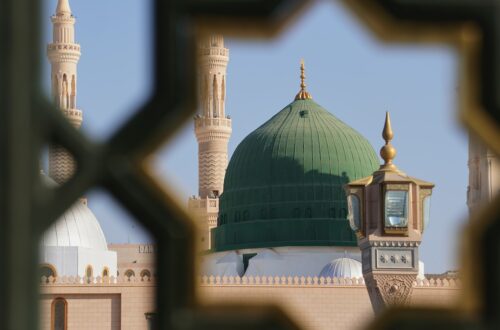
(342,267)
(77,227)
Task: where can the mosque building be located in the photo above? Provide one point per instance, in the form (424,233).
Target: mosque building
(75,245)
(272,221)
(283,211)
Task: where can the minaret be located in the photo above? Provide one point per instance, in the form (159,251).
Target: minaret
(484,175)
(63,54)
(212,129)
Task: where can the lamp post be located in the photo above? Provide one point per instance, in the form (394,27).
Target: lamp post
(389,211)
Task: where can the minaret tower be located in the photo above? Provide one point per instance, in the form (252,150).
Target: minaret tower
(64,54)
(212,129)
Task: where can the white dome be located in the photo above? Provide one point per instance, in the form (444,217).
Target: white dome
(342,267)
(77,227)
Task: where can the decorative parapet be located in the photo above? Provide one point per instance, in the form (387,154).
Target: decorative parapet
(77,280)
(287,281)
(280,281)
(438,283)
(309,281)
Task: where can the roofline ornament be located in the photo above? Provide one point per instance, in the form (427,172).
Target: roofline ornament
(303,94)
(388,152)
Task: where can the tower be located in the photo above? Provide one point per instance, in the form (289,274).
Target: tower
(212,129)
(75,245)
(389,212)
(64,54)
(484,175)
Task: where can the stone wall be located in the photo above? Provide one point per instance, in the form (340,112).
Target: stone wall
(320,304)
(314,303)
(311,307)
(120,305)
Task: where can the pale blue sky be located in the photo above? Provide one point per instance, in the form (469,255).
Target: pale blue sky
(349,73)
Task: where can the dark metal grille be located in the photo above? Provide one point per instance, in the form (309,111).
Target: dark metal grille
(27,122)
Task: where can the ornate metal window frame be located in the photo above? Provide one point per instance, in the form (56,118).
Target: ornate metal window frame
(27,122)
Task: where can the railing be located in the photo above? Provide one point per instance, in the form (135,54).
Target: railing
(63,46)
(203,122)
(206,203)
(215,51)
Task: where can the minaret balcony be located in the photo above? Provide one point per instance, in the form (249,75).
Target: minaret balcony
(212,128)
(75,116)
(213,51)
(63,19)
(211,121)
(63,46)
(203,205)
(63,52)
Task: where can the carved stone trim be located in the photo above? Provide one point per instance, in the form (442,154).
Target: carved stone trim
(389,289)
(395,243)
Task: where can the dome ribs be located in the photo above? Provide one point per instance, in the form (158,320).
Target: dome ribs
(289,150)
(76,227)
(309,164)
(328,168)
(288,175)
(277,141)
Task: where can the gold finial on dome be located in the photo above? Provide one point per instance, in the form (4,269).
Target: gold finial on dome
(388,152)
(303,94)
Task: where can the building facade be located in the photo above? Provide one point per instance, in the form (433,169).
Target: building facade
(75,245)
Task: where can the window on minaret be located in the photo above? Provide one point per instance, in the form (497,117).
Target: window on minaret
(73,93)
(55,88)
(215,97)
(59,314)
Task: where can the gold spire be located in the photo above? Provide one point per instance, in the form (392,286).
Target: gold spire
(388,152)
(303,94)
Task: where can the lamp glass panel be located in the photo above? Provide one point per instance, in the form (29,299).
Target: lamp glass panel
(354,212)
(396,208)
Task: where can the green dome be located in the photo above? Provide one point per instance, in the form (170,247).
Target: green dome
(284,183)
